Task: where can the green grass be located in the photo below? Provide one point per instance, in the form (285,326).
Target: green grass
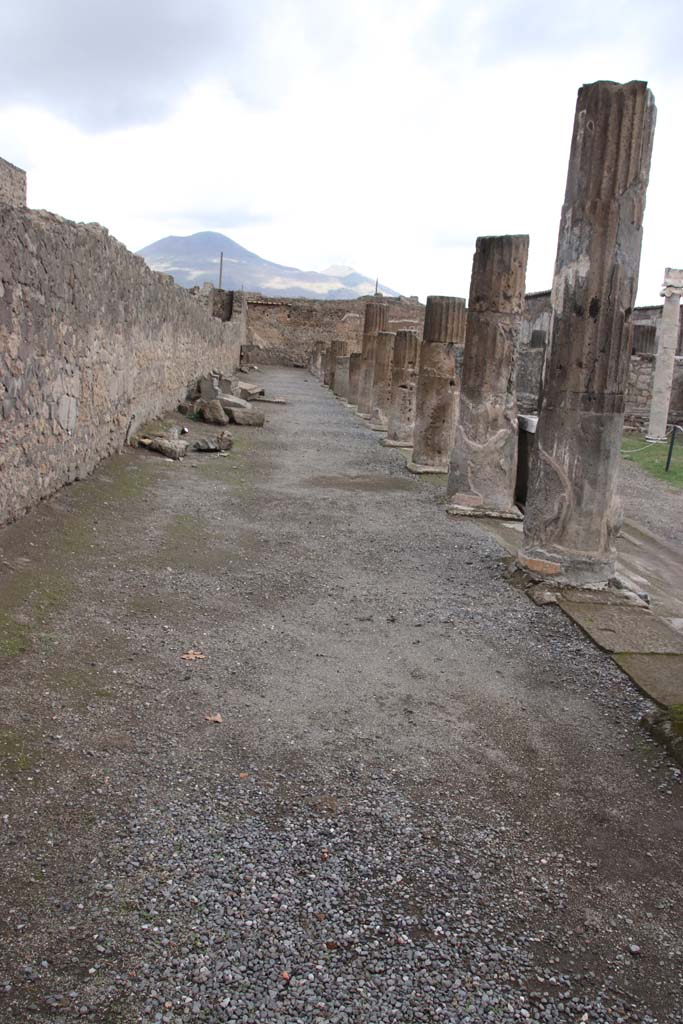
(652,458)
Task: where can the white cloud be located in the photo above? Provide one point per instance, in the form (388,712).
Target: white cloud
(385,136)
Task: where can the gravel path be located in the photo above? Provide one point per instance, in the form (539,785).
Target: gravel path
(428,799)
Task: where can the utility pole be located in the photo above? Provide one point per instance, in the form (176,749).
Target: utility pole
(220,273)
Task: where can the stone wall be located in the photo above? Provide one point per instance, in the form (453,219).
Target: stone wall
(639,390)
(285,331)
(12,184)
(92,344)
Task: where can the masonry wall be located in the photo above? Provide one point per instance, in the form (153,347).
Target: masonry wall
(639,391)
(12,184)
(285,331)
(92,344)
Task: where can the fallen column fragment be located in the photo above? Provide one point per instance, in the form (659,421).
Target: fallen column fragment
(437,384)
(401,419)
(573,514)
(483,460)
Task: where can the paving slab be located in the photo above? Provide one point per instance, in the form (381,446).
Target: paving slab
(618,628)
(660,676)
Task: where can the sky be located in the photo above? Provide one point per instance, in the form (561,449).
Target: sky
(381,134)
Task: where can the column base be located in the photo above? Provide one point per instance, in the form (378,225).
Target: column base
(378,427)
(482,512)
(363,415)
(396,444)
(567,570)
(418,467)
(649,437)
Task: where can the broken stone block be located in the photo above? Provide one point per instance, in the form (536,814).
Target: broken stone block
(248,389)
(221,443)
(185,408)
(229,402)
(213,412)
(247,417)
(208,388)
(171,449)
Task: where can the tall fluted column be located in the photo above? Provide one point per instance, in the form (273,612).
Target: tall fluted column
(483,461)
(375,321)
(667,344)
(354,378)
(437,384)
(381,380)
(401,419)
(573,514)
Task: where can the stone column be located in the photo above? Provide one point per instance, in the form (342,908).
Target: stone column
(332,363)
(341,377)
(354,378)
(437,384)
(401,419)
(324,368)
(483,461)
(573,515)
(672,291)
(375,321)
(381,381)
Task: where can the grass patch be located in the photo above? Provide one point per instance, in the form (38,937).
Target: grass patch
(652,458)
(14,637)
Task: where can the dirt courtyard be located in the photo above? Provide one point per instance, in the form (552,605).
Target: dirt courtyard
(426,799)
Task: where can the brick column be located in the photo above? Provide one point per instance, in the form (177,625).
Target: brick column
(437,384)
(483,461)
(573,515)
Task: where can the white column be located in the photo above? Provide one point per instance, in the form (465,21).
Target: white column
(666,354)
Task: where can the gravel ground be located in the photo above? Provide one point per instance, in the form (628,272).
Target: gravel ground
(651,502)
(428,798)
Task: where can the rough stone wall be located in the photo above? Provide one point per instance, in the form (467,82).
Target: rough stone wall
(639,390)
(92,343)
(285,331)
(12,184)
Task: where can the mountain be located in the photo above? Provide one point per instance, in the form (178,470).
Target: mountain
(193,259)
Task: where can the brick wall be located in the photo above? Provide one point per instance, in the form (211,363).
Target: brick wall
(90,340)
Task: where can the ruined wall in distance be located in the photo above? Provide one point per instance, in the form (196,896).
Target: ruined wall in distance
(92,344)
(285,331)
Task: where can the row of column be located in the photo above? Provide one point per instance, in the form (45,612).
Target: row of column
(452,395)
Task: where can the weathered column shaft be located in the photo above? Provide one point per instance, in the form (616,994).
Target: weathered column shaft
(354,377)
(437,384)
(401,419)
(573,515)
(381,380)
(666,354)
(483,461)
(340,385)
(332,362)
(375,321)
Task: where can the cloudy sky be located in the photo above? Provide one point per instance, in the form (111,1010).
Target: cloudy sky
(383,134)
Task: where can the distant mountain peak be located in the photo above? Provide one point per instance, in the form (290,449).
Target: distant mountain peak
(193,259)
(338,270)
